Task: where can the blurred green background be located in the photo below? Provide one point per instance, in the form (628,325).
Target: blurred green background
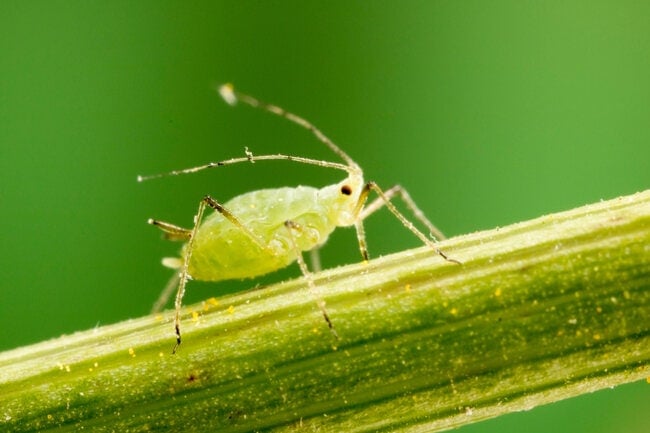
(487,112)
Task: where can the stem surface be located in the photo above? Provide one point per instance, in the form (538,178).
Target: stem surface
(539,311)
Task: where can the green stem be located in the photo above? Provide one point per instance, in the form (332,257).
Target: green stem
(538,311)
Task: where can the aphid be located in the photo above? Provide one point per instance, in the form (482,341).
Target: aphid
(262,231)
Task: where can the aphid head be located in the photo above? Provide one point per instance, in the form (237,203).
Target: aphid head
(342,199)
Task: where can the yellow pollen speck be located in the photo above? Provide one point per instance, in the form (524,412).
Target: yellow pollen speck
(132,352)
(50,417)
(407,288)
(599,310)
(209,303)
(67,368)
(454,311)
(497,292)
(158,317)
(597,337)
(195,316)
(647,379)
(231,309)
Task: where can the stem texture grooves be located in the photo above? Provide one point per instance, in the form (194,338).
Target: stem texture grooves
(539,311)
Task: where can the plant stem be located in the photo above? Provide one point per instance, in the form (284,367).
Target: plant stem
(539,311)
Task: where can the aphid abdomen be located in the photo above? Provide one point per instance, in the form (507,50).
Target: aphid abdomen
(227,253)
(223,251)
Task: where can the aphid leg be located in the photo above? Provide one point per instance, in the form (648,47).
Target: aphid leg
(398,190)
(172,232)
(384,200)
(361,238)
(184,274)
(291,226)
(233,219)
(314,259)
(165,294)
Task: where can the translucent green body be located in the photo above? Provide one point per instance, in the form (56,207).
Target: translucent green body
(223,251)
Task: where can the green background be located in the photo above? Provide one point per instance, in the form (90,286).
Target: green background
(487,112)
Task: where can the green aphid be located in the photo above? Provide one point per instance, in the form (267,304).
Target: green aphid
(262,231)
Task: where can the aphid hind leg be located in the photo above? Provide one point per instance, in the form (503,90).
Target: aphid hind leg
(291,227)
(173,233)
(184,275)
(384,200)
(165,294)
(314,259)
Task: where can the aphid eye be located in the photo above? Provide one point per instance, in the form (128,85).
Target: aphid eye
(346,190)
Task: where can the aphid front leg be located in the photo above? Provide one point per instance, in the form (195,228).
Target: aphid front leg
(165,294)
(361,237)
(363,212)
(399,191)
(295,227)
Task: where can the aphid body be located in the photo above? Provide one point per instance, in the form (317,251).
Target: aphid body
(222,251)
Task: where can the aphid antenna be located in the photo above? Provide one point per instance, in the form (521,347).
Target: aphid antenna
(231,96)
(250,158)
